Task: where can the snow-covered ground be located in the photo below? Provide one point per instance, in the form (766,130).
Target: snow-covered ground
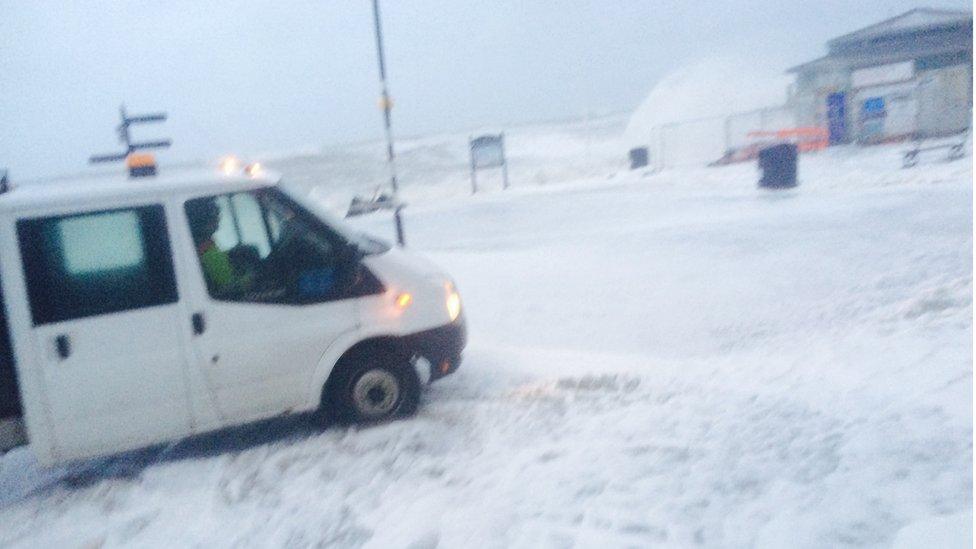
(670,359)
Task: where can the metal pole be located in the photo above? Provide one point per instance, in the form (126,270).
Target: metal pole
(501,139)
(385,99)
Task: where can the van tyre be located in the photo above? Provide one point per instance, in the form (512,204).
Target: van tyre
(378,386)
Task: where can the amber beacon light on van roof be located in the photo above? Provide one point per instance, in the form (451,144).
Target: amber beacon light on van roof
(138,164)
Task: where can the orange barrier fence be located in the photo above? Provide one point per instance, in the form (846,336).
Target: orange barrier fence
(807,138)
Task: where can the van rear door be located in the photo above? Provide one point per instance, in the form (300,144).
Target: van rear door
(106,328)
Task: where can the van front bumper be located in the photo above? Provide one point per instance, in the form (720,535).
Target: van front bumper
(441,347)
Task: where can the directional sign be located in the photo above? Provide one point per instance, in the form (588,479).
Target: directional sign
(158,117)
(125,139)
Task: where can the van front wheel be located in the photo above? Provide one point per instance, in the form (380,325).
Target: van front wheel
(382,385)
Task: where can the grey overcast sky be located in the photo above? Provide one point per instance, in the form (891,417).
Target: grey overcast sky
(257,77)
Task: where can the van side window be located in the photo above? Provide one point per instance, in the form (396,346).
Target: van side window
(258,246)
(96,263)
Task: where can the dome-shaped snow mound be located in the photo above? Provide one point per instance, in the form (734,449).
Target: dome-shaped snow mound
(711,88)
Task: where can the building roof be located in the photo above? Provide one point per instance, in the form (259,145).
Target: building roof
(918,19)
(910,22)
(841,61)
(87,190)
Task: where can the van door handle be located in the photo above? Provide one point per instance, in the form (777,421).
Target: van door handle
(63,344)
(199,325)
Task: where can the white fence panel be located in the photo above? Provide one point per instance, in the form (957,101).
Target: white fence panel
(703,141)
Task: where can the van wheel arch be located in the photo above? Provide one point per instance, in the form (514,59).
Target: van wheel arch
(385,351)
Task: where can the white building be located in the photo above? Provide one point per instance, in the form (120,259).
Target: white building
(908,76)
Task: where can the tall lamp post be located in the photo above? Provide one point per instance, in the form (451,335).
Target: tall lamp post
(387,105)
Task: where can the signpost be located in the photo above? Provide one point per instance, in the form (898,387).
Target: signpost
(487,151)
(125,138)
(386,104)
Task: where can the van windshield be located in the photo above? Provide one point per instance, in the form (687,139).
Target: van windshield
(366,244)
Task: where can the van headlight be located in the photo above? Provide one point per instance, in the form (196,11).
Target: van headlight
(453,301)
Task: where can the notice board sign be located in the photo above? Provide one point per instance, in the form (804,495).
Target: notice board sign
(487,151)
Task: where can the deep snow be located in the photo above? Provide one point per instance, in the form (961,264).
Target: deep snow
(669,359)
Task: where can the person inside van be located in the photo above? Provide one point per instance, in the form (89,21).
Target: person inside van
(222,278)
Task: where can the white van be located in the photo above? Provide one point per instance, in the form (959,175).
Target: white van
(142,310)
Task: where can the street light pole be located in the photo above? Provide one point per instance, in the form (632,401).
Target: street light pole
(387,105)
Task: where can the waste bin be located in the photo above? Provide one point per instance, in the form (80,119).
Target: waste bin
(638,158)
(778,165)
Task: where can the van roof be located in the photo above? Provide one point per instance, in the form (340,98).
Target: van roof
(104,188)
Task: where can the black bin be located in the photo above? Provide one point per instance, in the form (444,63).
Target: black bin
(638,158)
(778,165)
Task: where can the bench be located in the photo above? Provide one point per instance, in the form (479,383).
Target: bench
(955,151)
(362,205)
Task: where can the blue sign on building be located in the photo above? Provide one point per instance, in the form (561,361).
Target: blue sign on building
(873,107)
(872,119)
